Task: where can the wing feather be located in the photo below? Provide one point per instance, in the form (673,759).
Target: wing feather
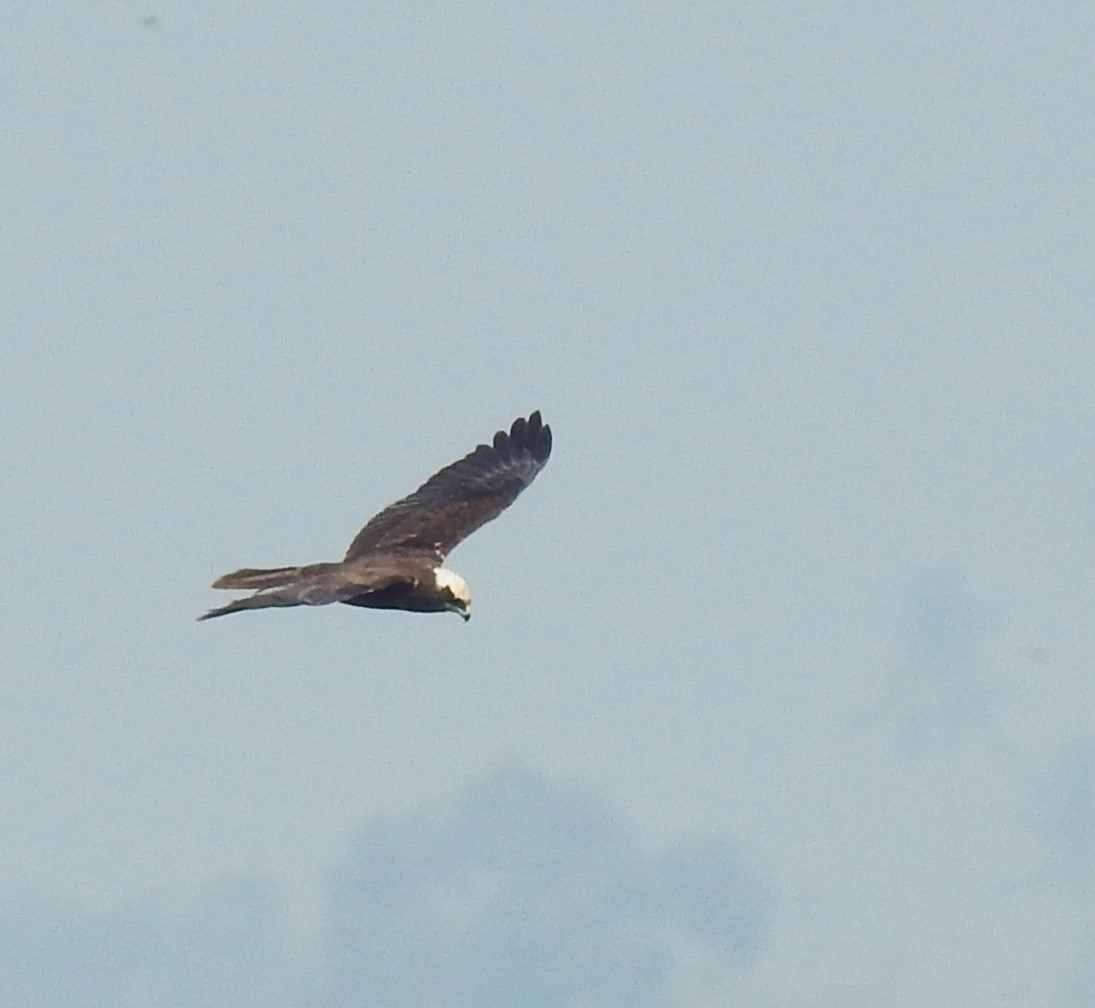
(462,497)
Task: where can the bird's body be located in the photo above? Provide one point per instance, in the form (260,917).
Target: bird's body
(394,562)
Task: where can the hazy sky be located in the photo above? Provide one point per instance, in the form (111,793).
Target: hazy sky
(778,687)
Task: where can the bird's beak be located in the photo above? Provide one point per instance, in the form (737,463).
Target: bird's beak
(462,613)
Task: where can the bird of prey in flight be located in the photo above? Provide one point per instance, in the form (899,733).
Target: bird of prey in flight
(395,561)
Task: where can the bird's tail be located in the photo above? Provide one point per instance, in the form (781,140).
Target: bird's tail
(256,579)
(278,586)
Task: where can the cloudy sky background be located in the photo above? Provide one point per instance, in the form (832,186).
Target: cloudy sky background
(778,685)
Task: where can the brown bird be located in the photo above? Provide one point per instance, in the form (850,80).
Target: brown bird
(395,560)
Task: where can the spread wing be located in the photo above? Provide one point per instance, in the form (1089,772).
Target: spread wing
(460,498)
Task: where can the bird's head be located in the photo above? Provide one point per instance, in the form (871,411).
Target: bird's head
(454,591)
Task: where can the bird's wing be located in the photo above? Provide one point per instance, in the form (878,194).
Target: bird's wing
(460,498)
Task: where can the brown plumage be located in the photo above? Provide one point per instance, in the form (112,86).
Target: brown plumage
(394,562)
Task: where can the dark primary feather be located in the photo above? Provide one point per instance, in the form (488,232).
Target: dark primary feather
(462,497)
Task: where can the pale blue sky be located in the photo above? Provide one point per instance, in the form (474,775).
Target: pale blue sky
(778,689)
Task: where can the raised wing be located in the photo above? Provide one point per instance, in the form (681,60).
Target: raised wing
(460,498)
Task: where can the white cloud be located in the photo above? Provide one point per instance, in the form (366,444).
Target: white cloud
(523,892)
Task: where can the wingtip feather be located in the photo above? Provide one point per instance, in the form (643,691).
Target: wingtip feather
(531,435)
